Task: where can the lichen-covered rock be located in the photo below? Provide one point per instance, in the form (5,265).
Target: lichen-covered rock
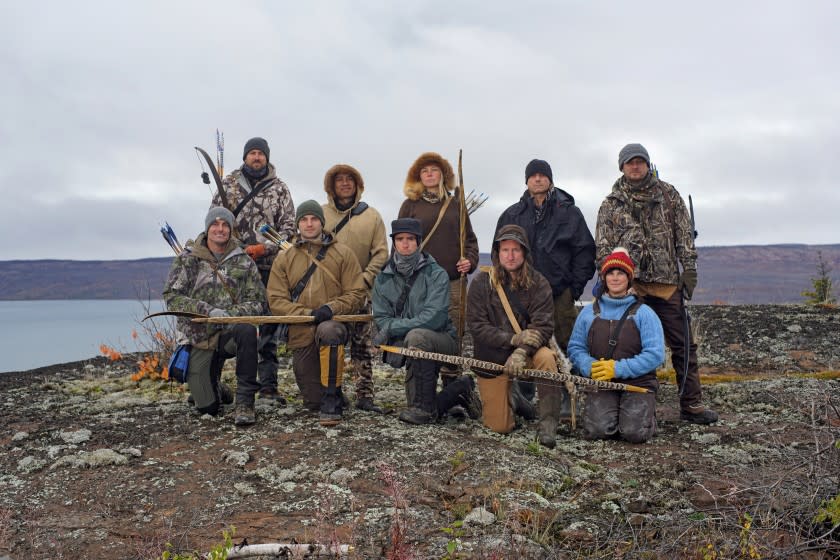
(75,437)
(91,459)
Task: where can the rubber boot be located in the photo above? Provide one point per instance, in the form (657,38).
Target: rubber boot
(520,404)
(460,392)
(424,408)
(332,375)
(549,414)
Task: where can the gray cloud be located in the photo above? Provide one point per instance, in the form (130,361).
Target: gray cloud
(102,103)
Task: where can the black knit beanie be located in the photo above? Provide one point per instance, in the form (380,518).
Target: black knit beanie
(256,143)
(538,166)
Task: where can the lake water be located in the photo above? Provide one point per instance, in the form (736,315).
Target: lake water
(42,333)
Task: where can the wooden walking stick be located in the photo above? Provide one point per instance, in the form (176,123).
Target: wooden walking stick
(281,319)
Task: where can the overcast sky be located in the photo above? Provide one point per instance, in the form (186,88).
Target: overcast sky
(102,103)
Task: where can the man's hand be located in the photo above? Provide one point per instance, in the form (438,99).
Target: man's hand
(381,337)
(688,281)
(528,337)
(323,313)
(516,362)
(255,251)
(216,312)
(603,370)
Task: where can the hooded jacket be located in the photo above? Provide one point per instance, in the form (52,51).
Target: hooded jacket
(272,205)
(486,318)
(198,283)
(427,304)
(561,244)
(344,295)
(654,225)
(363,233)
(443,245)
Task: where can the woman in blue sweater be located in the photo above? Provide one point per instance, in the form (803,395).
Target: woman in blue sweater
(606,348)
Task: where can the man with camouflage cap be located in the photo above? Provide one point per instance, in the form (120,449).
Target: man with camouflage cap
(359,227)
(317,277)
(215,277)
(258,197)
(648,217)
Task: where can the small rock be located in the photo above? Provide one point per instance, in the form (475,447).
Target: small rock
(29,464)
(79,436)
(637,519)
(707,438)
(20,435)
(342,476)
(238,458)
(480,516)
(133,451)
(244,489)
(91,459)
(794,328)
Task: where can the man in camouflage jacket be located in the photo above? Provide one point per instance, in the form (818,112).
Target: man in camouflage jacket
(360,228)
(215,277)
(648,217)
(271,204)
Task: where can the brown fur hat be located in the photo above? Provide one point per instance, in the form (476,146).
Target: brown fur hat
(414,188)
(329,179)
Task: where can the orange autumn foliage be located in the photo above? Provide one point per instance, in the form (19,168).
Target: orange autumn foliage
(110,353)
(150,367)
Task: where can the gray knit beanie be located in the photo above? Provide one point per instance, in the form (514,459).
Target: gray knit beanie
(257,143)
(218,213)
(630,151)
(310,207)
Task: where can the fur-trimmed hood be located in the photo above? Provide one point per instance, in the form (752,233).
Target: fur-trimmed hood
(413,188)
(329,180)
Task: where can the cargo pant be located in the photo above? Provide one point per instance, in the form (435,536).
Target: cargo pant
(267,350)
(205,369)
(498,414)
(308,370)
(672,314)
(361,355)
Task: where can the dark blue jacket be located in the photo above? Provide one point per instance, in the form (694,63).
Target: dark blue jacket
(561,245)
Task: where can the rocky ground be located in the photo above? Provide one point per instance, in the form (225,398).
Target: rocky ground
(95,465)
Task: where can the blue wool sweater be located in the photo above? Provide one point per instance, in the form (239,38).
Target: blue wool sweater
(650,331)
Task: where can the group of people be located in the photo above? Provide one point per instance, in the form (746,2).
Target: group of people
(520,311)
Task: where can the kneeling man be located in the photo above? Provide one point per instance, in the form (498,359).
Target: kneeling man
(318,277)
(411,309)
(215,277)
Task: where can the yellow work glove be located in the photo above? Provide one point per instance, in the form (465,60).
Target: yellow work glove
(528,337)
(603,370)
(515,364)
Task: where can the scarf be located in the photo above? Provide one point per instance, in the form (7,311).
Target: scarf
(539,211)
(254,175)
(430,197)
(406,265)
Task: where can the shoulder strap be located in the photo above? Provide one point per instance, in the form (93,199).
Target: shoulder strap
(505,303)
(361,207)
(437,223)
(613,342)
(400,305)
(254,192)
(295,294)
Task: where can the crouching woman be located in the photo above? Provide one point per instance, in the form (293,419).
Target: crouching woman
(618,338)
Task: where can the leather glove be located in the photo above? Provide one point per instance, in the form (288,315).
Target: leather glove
(381,337)
(216,312)
(255,251)
(603,370)
(516,362)
(323,313)
(528,337)
(688,281)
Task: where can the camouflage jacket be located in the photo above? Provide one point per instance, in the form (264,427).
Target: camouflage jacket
(199,283)
(653,224)
(272,205)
